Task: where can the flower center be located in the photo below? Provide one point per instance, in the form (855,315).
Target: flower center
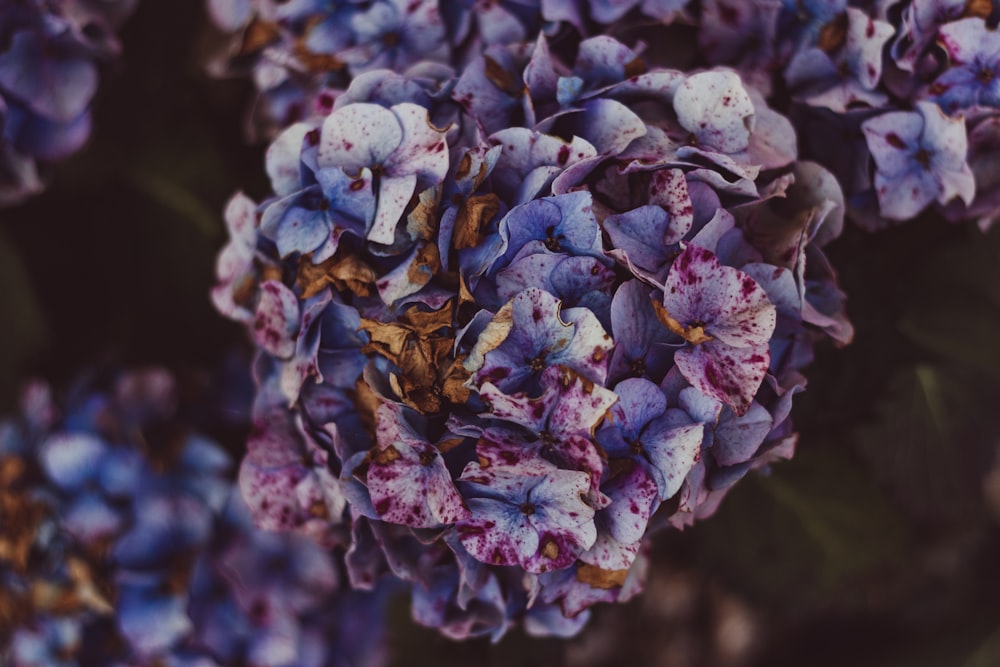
(527,509)
(923,158)
(427,457)
(551,240)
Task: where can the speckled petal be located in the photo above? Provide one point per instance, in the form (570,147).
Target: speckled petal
(276,322)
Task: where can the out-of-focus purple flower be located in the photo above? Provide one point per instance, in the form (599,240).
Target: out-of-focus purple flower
(973,75)
(920,157)
(840,76)
(142,553)
(50,56)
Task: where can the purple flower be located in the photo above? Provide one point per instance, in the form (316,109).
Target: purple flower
(727,320)
(850,74)
(398,145)
(531,333)
(919,158)
(531,515)
(971,79)
(640,429)
(407,478)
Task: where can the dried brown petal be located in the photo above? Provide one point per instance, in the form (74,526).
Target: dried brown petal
(693,334)
(347,272)
(598,578)
(258,35)
(474,214)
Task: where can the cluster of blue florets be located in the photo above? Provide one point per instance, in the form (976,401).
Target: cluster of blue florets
(125,543)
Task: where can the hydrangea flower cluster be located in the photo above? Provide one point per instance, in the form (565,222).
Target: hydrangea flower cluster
(302,53)
(847,73)
(124,543)
(898,97)
(50,53)
(511,321)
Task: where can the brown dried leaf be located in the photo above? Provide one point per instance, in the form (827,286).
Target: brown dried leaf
(422,222)
(474,214)
(833,35)
(635,67)
(426,322)
(500,77)
(384,457)
(425,265)
(258,35)
(597,578)
(389,340)
(980,8)
(347,272)
(367,402)
(454,388)
(464,167)
(695,334)
(20,516)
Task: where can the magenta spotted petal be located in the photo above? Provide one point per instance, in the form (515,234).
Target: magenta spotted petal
(399,143)
(284,477)
(715,108)
(622,524)
(973,76)
(407,478)
(276,322)
(530,334)
(920,157)
(530,515)
(569,405)
(728,320)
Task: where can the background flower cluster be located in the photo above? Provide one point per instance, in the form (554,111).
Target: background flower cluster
(524,284)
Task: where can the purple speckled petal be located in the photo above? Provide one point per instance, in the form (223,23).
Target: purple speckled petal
(730,374)
(422,150)
(568,405)
(407,478)
(639,402)
(358,136)
(525,151)
(716,108)
(668,188)
(634,498)
(539,337)
(394,194)
(889,137)
(276,321)
(638,235)
(672,452)
(531,516)
(728,303)
(608,125)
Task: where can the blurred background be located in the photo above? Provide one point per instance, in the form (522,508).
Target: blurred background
(879,544)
